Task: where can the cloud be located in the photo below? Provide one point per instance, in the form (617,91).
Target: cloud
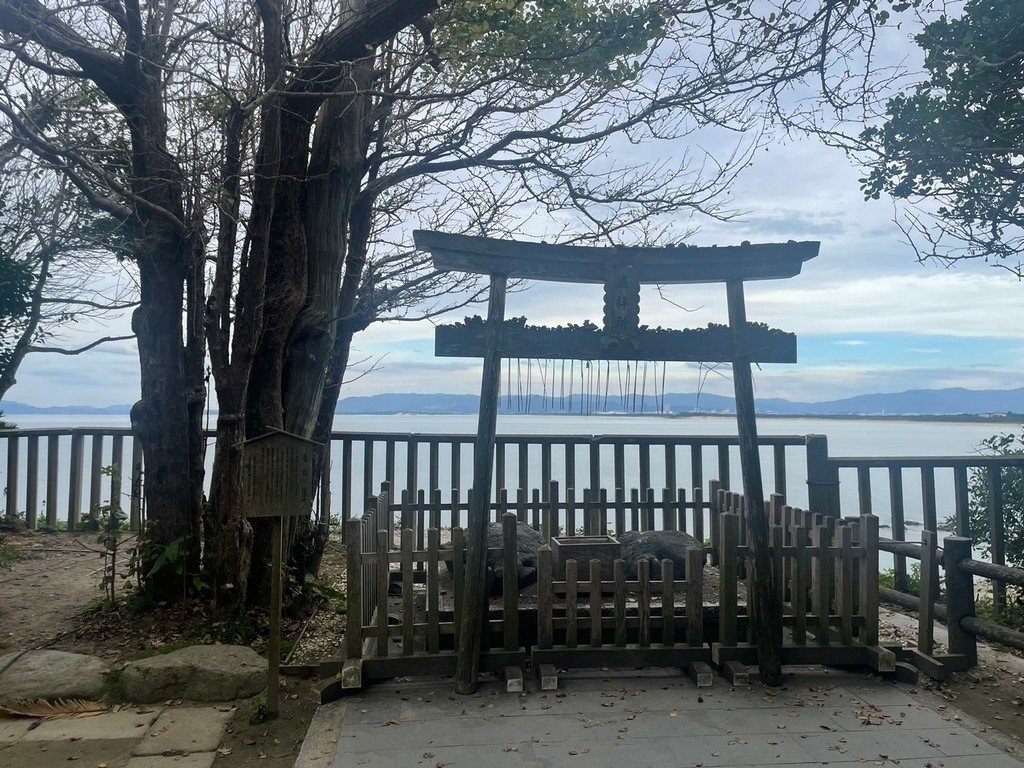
(852,343)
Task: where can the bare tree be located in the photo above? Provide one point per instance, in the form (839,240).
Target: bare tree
(69,252)
(267,161)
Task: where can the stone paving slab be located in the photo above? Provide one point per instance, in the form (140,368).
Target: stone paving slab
(129,738)
(48,754)
(185,730)
(601,718)
(126,724)
(13,729)
(194,760)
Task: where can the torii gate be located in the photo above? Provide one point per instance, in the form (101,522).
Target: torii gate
(622,270)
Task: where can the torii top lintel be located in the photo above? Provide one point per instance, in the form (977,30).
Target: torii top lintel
(590,264)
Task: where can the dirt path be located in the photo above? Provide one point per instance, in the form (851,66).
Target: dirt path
(54,578)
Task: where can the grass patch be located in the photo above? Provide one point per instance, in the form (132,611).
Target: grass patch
(1011,616)
(113,687)
(8,553)
(887,578)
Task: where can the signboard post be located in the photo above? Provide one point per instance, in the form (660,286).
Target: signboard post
(277,482)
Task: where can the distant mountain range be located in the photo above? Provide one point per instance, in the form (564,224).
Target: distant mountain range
(915,402)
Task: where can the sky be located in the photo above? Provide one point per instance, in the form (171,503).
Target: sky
(868,317)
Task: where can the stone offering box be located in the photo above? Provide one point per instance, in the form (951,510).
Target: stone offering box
(583,549)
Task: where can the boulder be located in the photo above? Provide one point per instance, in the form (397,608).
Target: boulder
(656,546)
(50,675)
(528,544)
(196,673)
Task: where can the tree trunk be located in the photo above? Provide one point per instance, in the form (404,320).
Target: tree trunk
(160,421)
(285,294)
(165,418)
(335,171)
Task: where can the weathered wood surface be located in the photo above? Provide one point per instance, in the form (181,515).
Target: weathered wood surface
(588,264)
(474,601)
(698,345)
(765,604)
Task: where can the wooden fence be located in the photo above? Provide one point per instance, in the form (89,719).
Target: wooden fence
(46,484)
(826,573)
(414,462)
(943,492)
(405,592)
(51,489)
(947,593)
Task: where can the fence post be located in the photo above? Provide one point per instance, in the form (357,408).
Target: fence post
(929,596)
(728,576)
(12,476)
(959,597)
(135,502)
(545,597)
(822,477)
(354,615)
(997,532)
(510,581)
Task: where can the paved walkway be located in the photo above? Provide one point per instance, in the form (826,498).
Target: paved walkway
(142,737)
(654,720)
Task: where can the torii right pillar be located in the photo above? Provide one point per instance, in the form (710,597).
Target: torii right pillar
(765,604)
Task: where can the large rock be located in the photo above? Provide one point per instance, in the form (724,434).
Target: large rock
(50,675)
(655,546)
(528,544)
(196,673)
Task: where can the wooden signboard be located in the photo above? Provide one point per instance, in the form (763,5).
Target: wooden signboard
(277,475)
(277,482)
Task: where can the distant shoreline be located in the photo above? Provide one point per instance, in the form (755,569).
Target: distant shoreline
(966,418)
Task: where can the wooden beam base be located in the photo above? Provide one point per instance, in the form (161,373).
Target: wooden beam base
(881,659)
(937,667)
(548,675)
(513,679)
(614,656)
(736,673)
(701,674)
(352,675)
(904,673)
(875,657)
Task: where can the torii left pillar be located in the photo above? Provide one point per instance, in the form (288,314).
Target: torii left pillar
(474,602)
(765,602)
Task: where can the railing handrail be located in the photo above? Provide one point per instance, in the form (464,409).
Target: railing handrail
(562,438)
(915,462)
(462,437)
(47,431)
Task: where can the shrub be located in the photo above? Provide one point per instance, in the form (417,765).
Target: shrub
(1005,444)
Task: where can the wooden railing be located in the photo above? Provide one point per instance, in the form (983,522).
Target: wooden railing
(952,600)
(62,476)
(64,495)
(46,484)
(414,462)
(944,495)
